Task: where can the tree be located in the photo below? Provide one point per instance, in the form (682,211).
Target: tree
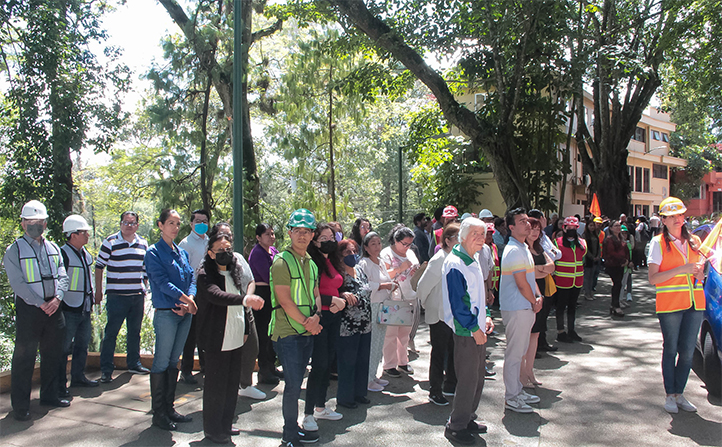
(60,99)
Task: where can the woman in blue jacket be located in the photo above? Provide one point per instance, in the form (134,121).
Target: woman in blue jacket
(173,288)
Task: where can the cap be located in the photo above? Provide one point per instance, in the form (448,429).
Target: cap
(671,206)
(450,211)
(74,223)
(302,218)
(571,221)
(34,210)
(485,213)
(598,220)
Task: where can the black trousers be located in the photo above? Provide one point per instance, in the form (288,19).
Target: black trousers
(266,354)
(34,327)
(249,352)
(442,358)
(189,351)
(567,300)
(220,390)
(616,273)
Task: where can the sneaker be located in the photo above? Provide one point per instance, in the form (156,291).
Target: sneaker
(629,296)
(139,369)
(438,399)
(252,392)
(392,372)
(407,369)
(670,404)
(188,378)
(518,405)
(290,444)
(488,372)
(529,398)
(623,304)
(106,377)
(460,436)
(475,427)
(381,382)
(327,414)
(373,386)
(574,336)
(448,391)
(563,337)
(684,404)
(309,423)
(308,437)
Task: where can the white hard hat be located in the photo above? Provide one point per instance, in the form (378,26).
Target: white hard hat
(34,210)
(485,213)
(74,223)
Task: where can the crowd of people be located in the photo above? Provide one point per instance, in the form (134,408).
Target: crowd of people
(344,306)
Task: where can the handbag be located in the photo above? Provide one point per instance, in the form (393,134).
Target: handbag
(397,313)
(550,288)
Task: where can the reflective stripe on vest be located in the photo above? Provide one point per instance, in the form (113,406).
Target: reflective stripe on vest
(570,267)
(496,272)
(301,293)
(681,291)
(31,267)
(75,296)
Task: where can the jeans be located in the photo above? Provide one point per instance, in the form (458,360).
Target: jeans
(171,331)
(324,350)
(679,331)
(353,367)
(120,308)
(442,358)
(77,337)
(294,352)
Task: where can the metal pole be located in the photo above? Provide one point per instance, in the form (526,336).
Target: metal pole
(330,142)
(237,138)
(401,187)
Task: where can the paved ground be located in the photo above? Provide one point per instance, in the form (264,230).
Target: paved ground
(606,391)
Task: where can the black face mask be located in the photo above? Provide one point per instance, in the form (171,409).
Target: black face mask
(328,247)
(570,234)
(224,258)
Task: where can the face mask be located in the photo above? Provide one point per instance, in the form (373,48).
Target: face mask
(34,231)
(339,236)
(328,247)
(201,228)
(350,260)
(570,234)
(224,258)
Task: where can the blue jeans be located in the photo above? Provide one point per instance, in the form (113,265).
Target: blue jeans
(171,332)
(294,352)
(77,337)
(679,331)
(353,367)
(120,308)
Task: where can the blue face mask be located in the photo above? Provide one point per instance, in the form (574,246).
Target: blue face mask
(350,260)
(339,236)
(200,228)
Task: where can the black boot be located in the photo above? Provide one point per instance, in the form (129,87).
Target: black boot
(157,394)
(171,382)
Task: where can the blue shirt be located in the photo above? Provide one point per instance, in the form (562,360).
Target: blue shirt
(170,274)
(516,258)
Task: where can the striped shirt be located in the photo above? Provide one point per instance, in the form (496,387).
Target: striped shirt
(124,261)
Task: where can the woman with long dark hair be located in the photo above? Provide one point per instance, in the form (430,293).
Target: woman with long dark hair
(676,269)
(173,287)
(224,288)
(361,227)
(260,260)
(324,252)
(592,258)
(616,258)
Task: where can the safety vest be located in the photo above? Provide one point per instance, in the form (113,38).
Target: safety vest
(437,237)
(301,292)
(570,267)
(683,290)
(31,267)
(75,296)
(496,272)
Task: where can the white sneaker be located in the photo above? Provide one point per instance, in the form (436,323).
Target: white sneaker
(309,423)
(381,382)
(252,392)
(327,414)
(529,398)
(684,404)
(670,404)
(629,296)
(373,386)
(518,405)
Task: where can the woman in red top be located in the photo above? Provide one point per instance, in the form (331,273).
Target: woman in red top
(616,257)
(324,252)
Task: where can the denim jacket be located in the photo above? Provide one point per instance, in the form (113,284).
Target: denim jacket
(170,274)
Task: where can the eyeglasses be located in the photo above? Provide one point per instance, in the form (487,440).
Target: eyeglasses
(325,239)
(365,227)
(405,244)
(129,224)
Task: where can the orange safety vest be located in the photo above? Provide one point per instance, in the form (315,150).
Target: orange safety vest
(570,267)
(682,291)
(496,272)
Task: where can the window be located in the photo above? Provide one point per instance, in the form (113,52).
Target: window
(656,209)
(665,137)
(631,177)
(659,171)
(645,183)
(639,135)
(638,179)
(656,135)
(645,210)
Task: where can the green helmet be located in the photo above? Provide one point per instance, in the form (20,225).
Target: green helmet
(302,218)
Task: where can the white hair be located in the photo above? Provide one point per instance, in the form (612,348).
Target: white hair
(466,226)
